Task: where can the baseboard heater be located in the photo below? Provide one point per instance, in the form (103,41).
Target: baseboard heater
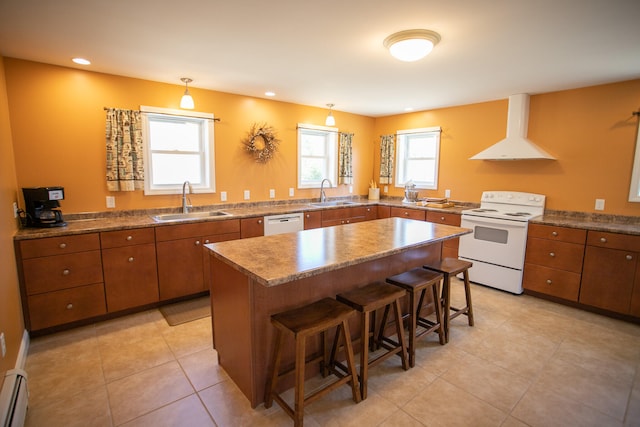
(14,398)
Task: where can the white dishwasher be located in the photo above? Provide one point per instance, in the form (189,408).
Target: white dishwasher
(287,223)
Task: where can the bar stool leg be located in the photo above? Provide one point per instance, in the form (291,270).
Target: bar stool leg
(446,289)
(351,364)
(299,387)
(413,315)
(272,380)
(364,355)
(467,293)
(400,332)
(438,309)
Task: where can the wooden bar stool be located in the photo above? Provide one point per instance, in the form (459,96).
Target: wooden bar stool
(450,267)
(367,300)
(304,322)
(417,282)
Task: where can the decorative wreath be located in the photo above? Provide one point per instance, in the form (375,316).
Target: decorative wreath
(261,141)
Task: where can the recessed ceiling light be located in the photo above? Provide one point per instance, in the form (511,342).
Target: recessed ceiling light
(411,45)
(408,109)
(81,61)
(269,93)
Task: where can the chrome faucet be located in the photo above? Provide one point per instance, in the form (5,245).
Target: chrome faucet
(186,206)
(323,197)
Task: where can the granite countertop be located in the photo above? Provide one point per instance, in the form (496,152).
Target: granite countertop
(594,222)
(281,258)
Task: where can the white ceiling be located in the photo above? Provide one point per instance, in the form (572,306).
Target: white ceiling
(330,51)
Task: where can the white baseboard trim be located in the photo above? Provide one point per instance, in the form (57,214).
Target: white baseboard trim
(21,360)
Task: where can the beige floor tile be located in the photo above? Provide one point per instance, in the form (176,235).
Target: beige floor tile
(132,356)
(436,358)
(202,369)
(189,338)
(401,419)
(146,391)
(513,422)
(391,382)
(90,408)
(488,382)
(185,412)
(443,404)
(545,407)
(632,417)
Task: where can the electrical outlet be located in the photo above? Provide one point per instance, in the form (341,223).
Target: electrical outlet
(272,193)
(111,202)
(247,194)
(290,192)
(3,345)
(351,189)
(223,196)
(385,189)
(15,210)
(599,204)
(447,193)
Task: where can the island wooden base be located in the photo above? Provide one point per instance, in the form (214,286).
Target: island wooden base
(241,311)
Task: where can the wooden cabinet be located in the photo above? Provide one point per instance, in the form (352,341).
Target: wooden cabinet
(61,279)
(449,247)
(312,219)
(331,217)
(610,276)
(553,261)
(252,227)
(130,270)
(383,212)
(182,262)
(408,213)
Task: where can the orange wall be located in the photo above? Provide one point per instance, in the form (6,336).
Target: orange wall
(10,313)
(591,132)
(58,119)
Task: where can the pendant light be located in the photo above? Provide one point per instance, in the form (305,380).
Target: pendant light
(330,121)
(187,101)
(411,45)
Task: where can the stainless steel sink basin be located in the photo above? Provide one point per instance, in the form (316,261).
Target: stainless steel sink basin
(333,203)
(187,216)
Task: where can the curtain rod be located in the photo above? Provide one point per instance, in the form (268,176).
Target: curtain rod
(215,119)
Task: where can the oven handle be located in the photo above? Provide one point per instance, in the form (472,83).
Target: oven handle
(474,220)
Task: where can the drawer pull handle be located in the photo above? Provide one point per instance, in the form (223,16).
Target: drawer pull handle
(207,241)
(197,243)
(368,209)
(130,259)
(406,213)
(554,234)
(66,272)
(308,216)
(552,254)
(259,221)
(603,239)
(129,237)
(549,281)
(629,257)
(63,245)
(69,306)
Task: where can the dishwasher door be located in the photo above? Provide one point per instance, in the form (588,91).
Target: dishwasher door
(279,224)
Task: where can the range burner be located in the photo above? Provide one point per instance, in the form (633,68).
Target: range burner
(518,213)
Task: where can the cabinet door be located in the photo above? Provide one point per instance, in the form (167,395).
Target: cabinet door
(449,247)
(635,295)
(408,213)
(252,227)
(312,220)
(180,268)
(607,278)
(383,212)
(130,276)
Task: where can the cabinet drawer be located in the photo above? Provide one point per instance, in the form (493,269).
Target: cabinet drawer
(408,213)
(624,242)
(336,214)
(136,236)
(444,218)
(367,213)
(562,234)
(65,306)
(62,271)
(549,281)
(560,255)
(182,231)
(59,245)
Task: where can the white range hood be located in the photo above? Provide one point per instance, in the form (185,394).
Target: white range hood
(515,146)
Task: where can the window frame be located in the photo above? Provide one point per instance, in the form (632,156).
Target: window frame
(331,156)
(206,150)
(402,137)
(634,187)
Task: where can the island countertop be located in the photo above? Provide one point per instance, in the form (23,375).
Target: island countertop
(282,258)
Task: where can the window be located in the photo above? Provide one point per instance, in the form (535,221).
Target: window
(178,148)
(317,156)
(418,154)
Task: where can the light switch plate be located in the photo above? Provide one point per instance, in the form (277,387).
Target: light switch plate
(291,192)
(447,193)
(223,196)
(599,204)
(385,189)
(272,193)
(247,194)
(15,210)
(350,189)
(111,202)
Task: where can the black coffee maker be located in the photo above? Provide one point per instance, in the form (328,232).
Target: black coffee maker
(39,207)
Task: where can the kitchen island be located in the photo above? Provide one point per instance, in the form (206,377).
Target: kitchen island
(251,279)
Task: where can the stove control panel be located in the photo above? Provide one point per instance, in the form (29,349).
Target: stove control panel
(514,198)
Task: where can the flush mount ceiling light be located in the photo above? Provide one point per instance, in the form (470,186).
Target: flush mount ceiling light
(187,101)
(411,45)
(330,121)
(81,61)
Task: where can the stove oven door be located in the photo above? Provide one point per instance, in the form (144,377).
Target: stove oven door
(495,241)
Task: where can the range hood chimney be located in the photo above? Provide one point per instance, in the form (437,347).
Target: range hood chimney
(515,146)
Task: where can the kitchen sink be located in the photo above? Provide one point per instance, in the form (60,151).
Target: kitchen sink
(187,216)
(333,203)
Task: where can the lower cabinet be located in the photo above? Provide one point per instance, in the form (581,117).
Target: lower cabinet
(182,260)
(312,220)
(252,227)
(331,217)
(449,247)
(418,214)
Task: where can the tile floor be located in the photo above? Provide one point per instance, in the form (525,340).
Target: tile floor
(526,362)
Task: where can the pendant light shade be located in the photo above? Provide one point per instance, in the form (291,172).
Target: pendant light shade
(330,121)
(187,101)
(411,45)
